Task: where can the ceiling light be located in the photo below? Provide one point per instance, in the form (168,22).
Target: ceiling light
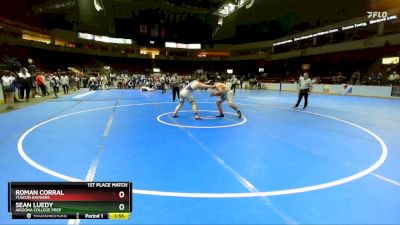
(97,5)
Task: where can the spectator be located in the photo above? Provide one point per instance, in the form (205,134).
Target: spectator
(253,83)
(355,78)
(369,79)
(394,78)
(167,81)
(55,83)
(340,78)
(40,84)
(65,83)
(72,83)
(85,81)
(77,81)
(8,82)
(104,82)
(162,84)
(24,83)
(93,83)
(379,78)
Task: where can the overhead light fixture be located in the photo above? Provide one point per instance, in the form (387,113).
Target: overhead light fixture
(97,5)
(390,61)
(248,6)
(231,6)
(228,8)
(153,52)
(220,21)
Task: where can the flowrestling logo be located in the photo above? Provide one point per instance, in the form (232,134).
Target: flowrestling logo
(377,14)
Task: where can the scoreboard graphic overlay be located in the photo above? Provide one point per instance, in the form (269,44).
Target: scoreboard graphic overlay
(70,200)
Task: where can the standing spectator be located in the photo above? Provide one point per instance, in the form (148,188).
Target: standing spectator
(65,83)
(251,83)
(8,82)
(305,87)
(112,79)
(85,81)
(124,81)
(24,82)
(72,83)
(104,82)
(175,83)
(162,84)
(40,84)
(78,81)
(34,88)
(55,83)
(167,82)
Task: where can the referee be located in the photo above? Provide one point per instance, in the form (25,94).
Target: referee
(175,83)
(305,87)
(234,81)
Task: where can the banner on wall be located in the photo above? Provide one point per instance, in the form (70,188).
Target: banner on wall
(23,25)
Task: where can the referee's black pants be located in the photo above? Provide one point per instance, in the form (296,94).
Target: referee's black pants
(175,92)
(24,89)
(233,88)
(302,93)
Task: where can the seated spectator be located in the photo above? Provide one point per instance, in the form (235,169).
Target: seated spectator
(379,78)
(93,82)
(368,80)
(340,78)
(253,83)
(355,77)
(394,78)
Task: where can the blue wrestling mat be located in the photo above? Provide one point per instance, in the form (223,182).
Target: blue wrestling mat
(335,163)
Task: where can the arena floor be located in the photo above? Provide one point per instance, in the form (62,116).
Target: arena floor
(335,163)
